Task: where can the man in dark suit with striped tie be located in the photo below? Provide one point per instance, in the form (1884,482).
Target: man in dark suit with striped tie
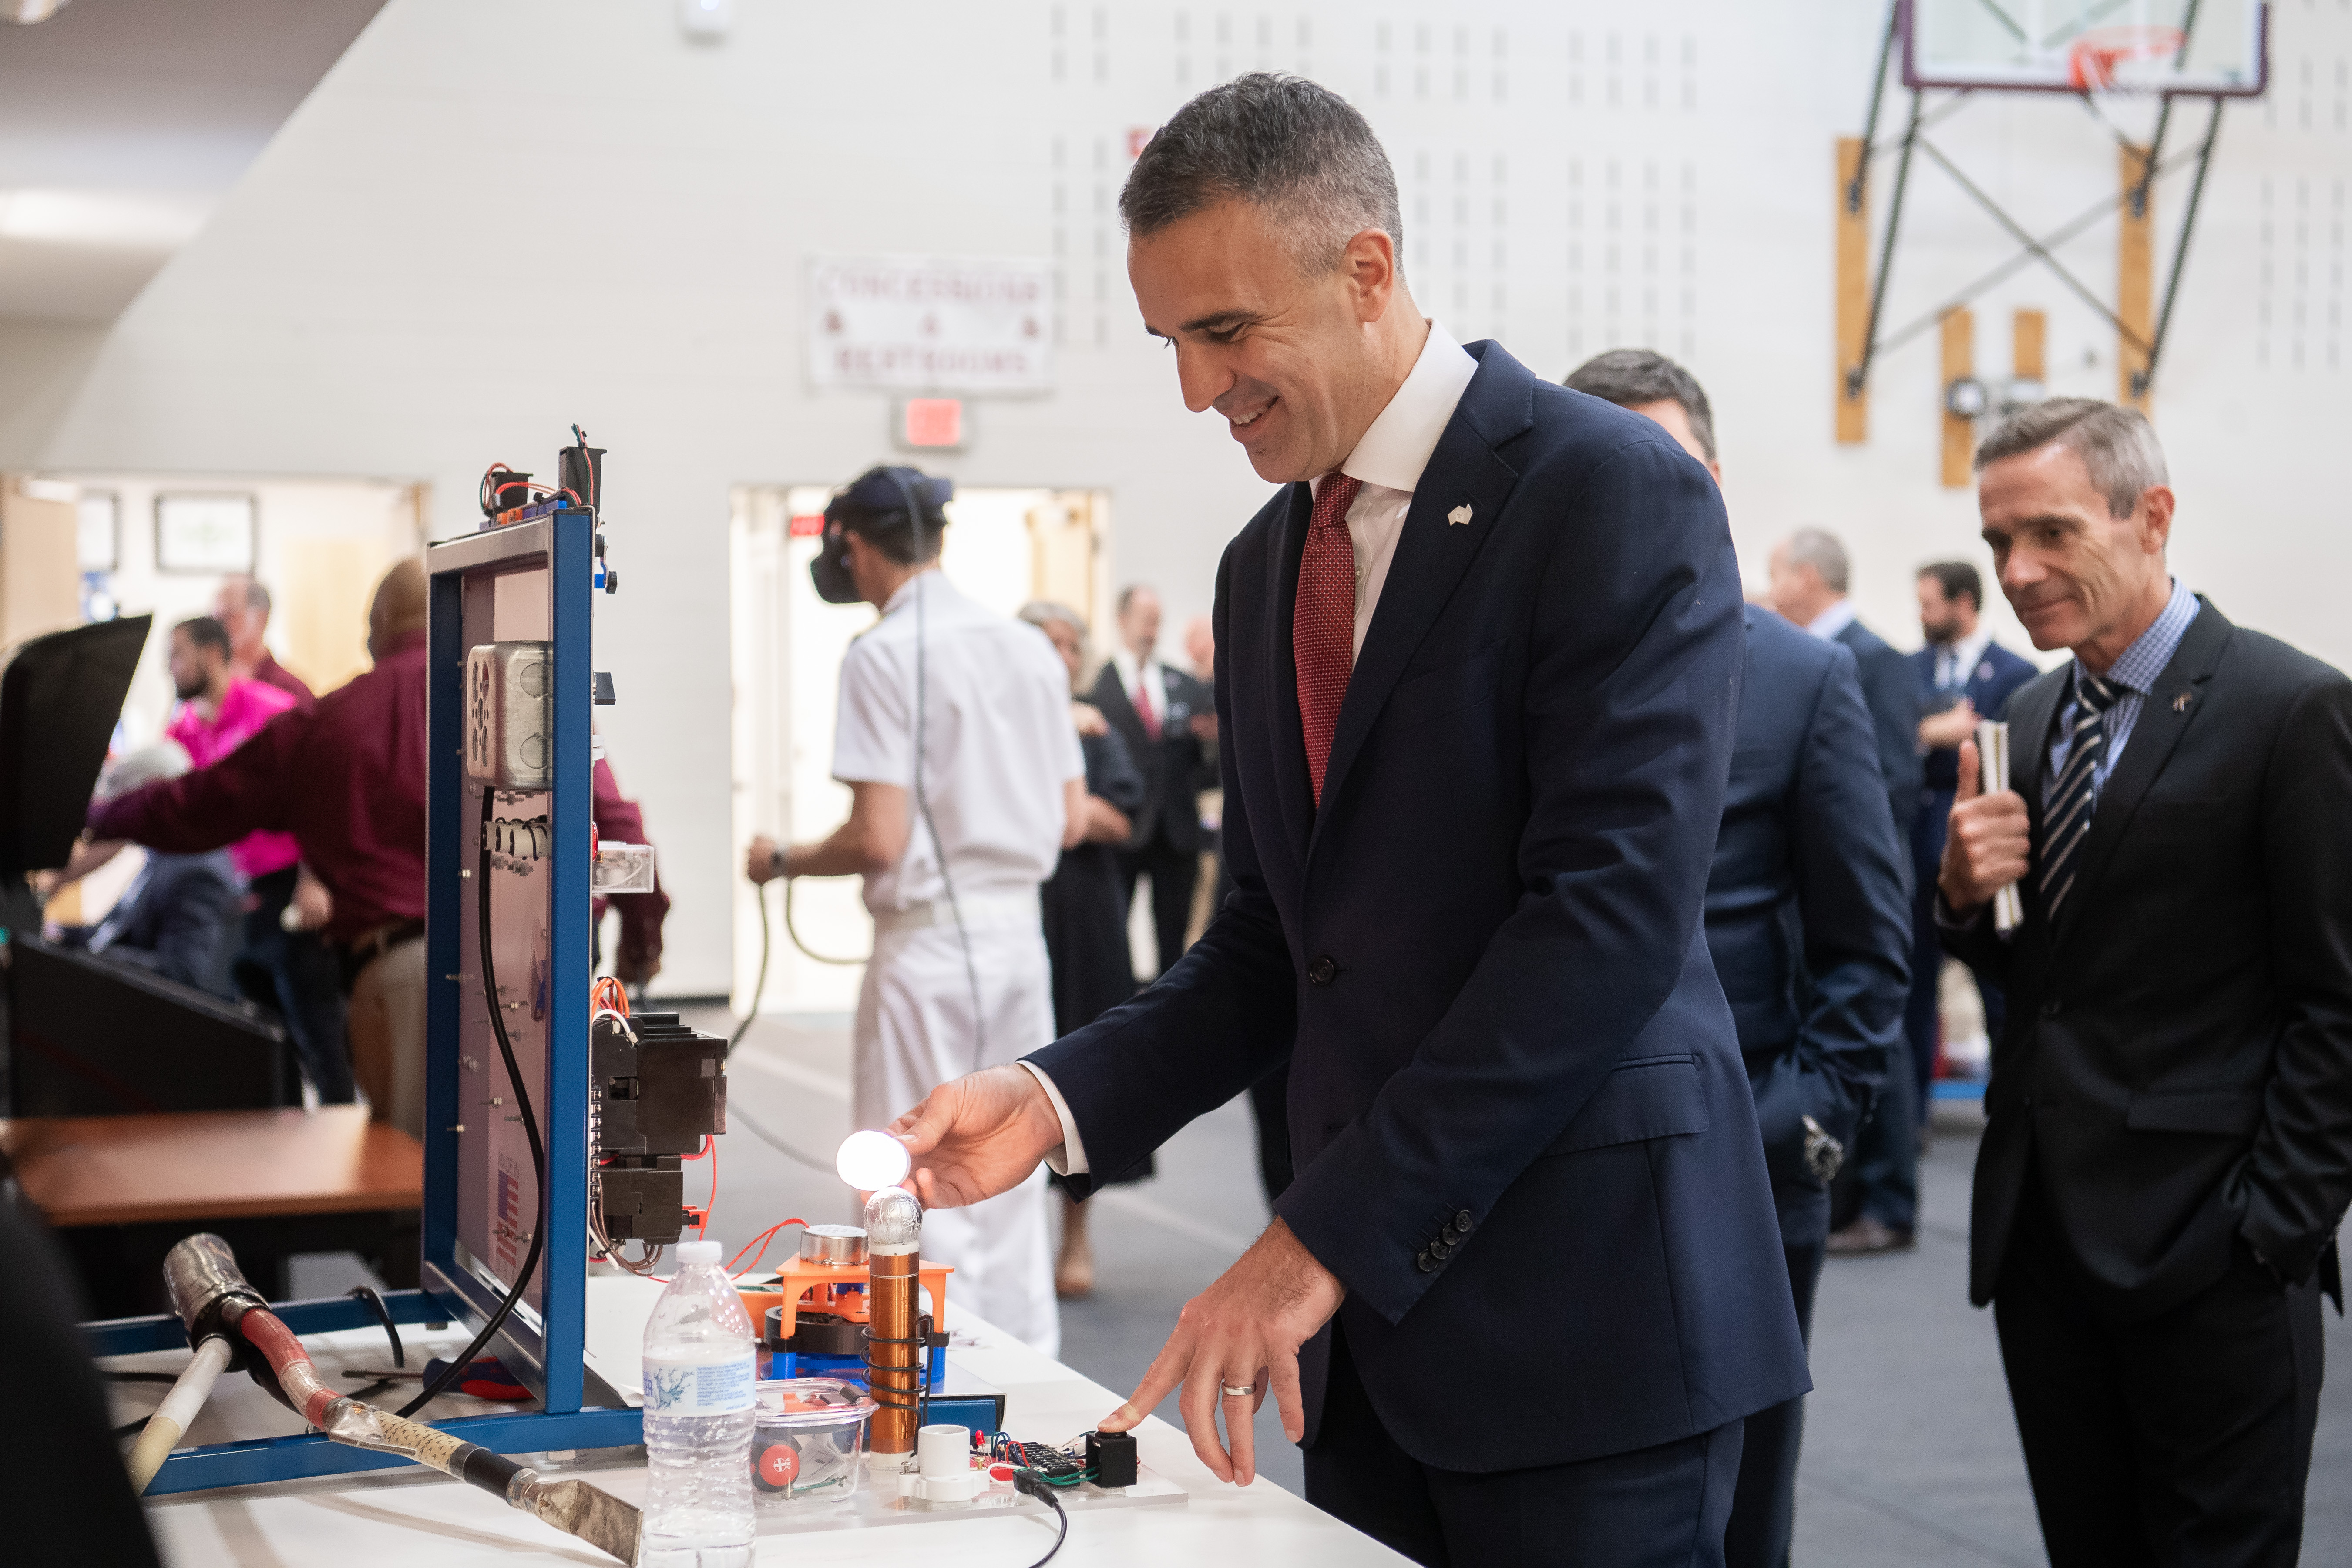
(2167,1149)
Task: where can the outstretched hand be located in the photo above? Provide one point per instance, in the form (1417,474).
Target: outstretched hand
(1243,1331)
(978,1136)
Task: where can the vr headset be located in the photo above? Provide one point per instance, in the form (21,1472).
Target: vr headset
(882,498)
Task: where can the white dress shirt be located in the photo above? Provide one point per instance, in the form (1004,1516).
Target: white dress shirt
(1390,456)
(1389,459)
(1832,621)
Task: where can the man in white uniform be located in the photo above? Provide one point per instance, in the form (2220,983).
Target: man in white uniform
(953,836)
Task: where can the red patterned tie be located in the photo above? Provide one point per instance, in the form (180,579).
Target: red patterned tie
(1323,626)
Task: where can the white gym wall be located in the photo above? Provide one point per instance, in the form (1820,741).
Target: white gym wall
(489,221)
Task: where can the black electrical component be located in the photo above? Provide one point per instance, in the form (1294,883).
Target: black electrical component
(580,468)
(659,1088)
(503,489)
(1111,1456)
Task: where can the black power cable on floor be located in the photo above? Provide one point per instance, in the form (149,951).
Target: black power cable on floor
(457,1367)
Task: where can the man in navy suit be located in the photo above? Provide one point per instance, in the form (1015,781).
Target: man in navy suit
(1810,573)
(1805,920)
(1477,672)
(1963,676)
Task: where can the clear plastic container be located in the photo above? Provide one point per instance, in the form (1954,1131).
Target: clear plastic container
(698,1394)
(806,1441)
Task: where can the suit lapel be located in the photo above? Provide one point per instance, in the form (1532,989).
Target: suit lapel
(1433,550)
(2035,707)
(1282,677)
(2173,703)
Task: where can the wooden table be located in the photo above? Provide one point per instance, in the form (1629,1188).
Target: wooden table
(122,1189)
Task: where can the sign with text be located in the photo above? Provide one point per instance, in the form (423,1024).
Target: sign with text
(931,323)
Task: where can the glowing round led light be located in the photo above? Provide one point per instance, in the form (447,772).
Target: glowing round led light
(871,1160)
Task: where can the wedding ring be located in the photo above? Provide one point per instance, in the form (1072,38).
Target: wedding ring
(1243,1392)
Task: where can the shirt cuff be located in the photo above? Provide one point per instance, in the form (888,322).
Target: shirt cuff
(1070,1159)
(1949,919)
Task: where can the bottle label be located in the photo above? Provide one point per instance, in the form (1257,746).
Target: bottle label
(677,1387)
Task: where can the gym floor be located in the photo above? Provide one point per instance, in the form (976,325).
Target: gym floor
(1910,1453)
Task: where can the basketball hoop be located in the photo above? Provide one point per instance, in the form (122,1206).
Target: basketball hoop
(2093,59)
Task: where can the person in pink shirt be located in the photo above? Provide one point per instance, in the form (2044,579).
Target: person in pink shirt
(219,712)
(289,965)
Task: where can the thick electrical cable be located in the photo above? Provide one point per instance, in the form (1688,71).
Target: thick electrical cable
(735,1113)
(457,1367)
(923,809)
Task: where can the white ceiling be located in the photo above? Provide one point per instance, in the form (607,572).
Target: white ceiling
(123,123)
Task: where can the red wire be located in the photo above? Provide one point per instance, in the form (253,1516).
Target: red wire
(762,1241)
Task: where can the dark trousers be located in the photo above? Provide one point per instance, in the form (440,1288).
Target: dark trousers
(1648,1509)
(1173,872)
(1921,1014)
(2181,1440)
(297,973)
(1882,1178)
(1764,1502)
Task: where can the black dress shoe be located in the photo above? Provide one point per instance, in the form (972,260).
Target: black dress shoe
(1868,1234)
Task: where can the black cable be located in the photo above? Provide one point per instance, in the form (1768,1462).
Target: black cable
(1029,1483)
(450,1373)
(735,1113)
(759,986)
(923,809)
(382,1315)
(139,1376)
(789,930)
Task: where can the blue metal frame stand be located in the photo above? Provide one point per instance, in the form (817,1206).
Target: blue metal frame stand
(548,1356)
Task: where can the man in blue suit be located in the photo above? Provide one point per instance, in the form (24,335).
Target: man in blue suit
(1963,676)
(1477,671)
(1805,920)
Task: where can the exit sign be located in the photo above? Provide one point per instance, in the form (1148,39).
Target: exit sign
(932,422)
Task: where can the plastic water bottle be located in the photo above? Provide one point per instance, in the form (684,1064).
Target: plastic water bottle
(698,1373)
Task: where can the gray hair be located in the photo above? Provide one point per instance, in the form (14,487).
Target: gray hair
(1283,142)
(256,597)
(1043,613)
(2117,444)
(1819,549)
(1631,377)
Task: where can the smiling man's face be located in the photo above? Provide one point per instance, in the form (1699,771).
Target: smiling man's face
(1294,359)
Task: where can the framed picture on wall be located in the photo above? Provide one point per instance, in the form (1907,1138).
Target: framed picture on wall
(98,532)
(207,533)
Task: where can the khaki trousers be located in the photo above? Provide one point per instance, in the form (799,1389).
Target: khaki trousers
(387,1034)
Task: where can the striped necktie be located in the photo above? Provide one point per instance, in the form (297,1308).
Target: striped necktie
(2075,797)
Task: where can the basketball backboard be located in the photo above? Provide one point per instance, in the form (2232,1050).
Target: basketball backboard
(2216,48)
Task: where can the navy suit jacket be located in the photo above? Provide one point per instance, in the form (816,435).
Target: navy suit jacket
(1524,1135)
(1892,695)
(1997,674)
(1806,913)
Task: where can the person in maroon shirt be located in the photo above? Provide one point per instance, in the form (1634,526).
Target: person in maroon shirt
(347,779)
(636,957)
(242,608)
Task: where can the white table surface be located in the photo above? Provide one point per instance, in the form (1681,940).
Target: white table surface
(411,1516)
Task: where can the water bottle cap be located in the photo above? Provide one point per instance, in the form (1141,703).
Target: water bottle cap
(692,1253)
